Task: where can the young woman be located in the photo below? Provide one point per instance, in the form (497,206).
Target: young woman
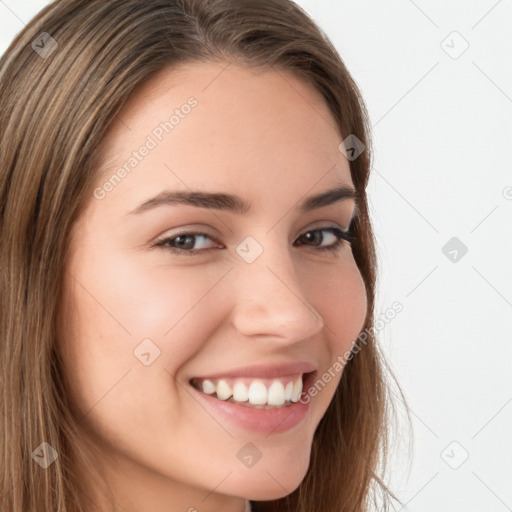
(187,264)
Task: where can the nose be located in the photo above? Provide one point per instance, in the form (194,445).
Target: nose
(271,301)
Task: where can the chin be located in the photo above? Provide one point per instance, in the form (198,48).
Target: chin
(269,484)
(267,493)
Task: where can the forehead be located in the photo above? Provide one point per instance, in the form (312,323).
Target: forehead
(248,129)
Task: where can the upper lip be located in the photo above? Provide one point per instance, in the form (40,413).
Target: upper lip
(264,371)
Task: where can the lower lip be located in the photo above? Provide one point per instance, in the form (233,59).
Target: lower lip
(265,421)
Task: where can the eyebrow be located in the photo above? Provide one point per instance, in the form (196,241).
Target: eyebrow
(235,204)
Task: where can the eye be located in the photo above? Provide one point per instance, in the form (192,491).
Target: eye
(184,243)
(332,241)
(329,238)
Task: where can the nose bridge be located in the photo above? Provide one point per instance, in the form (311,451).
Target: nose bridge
(270,299)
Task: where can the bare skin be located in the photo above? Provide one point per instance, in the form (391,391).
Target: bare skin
(270,139)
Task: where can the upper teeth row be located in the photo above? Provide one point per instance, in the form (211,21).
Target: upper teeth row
(257,392)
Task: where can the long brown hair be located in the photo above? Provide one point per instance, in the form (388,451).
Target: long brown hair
(58,98)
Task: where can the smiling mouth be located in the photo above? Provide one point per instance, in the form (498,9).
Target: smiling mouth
(257,393)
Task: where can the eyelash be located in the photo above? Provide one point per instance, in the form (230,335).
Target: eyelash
(340,235)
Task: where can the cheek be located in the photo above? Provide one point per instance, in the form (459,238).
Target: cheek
(339,296)
(121,302)
(107,316)
(178,308)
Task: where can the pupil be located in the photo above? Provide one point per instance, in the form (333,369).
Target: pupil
(312,235)
(183,238)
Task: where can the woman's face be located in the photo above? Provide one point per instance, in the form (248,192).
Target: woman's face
(252,303)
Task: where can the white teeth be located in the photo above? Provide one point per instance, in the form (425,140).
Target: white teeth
(276,394)
(223,390)
(208,387)
(288,391)
(240,392)
(297,390)
(257,393)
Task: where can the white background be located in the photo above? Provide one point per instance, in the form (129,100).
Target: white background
(442,129)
